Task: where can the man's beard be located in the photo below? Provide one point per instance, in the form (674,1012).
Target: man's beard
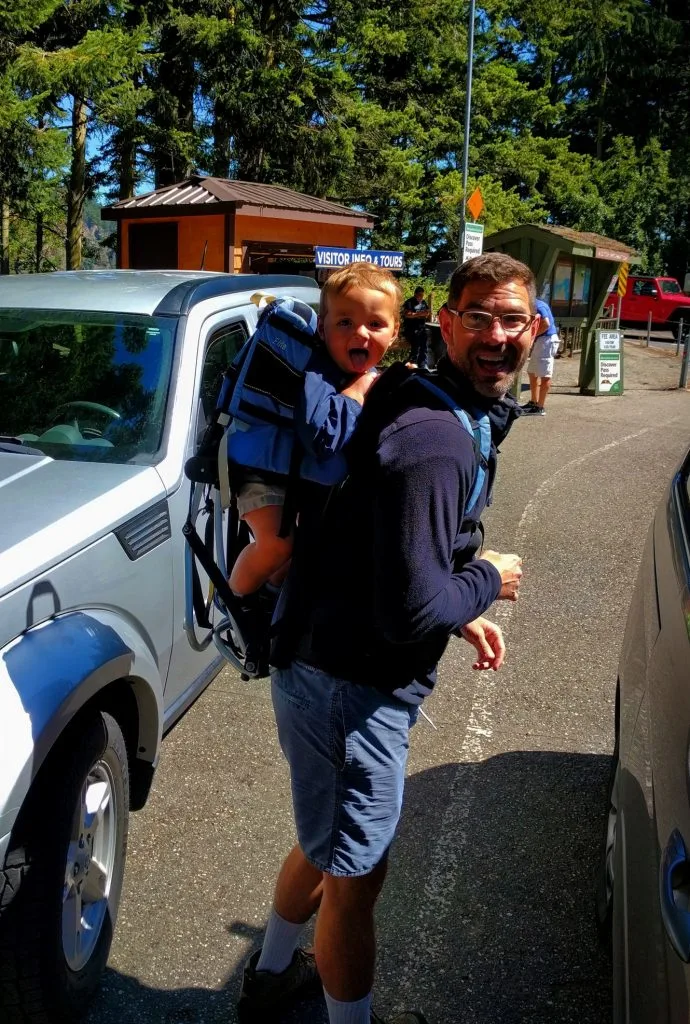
(487,388)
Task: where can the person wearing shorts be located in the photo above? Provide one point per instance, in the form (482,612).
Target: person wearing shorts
(380,579)
(540,365)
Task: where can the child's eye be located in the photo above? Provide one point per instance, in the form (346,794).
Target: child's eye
(344,323)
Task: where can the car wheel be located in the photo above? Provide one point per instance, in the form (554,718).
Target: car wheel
(606,870)
(63,876)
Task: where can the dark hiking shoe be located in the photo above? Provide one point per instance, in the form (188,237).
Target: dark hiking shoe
(263,993)
(409,1017)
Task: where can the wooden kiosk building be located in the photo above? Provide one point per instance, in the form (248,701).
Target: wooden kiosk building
(229,226)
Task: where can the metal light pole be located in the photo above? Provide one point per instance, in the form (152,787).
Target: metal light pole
(466,141)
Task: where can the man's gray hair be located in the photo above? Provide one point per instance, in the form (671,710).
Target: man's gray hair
(497,267)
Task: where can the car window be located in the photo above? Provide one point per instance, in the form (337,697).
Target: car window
(87,387)
(644,288)
(222,349)
(670,287)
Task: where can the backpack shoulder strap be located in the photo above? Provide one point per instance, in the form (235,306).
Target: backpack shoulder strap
(478,426)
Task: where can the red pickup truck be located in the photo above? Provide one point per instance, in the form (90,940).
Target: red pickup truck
(660,296)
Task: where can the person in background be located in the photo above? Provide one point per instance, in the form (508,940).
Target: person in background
(415,314)
(540,365)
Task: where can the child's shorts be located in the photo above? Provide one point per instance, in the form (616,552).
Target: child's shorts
(255,493)
(543,353)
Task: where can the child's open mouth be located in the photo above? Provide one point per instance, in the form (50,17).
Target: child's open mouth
(359,358)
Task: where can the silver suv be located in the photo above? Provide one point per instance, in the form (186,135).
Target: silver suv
(106,382)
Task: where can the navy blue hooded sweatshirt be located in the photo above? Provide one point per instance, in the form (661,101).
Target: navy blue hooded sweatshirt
(386,572)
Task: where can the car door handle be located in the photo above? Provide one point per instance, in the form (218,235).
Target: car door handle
(674,894)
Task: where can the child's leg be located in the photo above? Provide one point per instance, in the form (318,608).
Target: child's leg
(533,387)
(266,556)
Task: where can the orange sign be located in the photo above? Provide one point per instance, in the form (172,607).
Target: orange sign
(475,204)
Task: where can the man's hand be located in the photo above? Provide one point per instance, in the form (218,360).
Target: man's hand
(487,639)
(510,568)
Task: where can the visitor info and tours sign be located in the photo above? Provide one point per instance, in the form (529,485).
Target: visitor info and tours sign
(328,258)
(608,379)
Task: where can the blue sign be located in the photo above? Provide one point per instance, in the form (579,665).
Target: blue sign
(330,259)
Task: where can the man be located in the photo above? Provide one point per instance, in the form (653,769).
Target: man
(540,365)
(379,582)
(415,316)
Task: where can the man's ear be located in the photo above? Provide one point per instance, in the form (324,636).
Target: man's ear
(445,321)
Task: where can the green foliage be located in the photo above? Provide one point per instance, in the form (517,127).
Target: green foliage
(580,111)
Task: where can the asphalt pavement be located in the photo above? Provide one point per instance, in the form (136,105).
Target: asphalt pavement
(487,915)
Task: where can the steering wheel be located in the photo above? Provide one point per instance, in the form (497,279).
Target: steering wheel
(86,407)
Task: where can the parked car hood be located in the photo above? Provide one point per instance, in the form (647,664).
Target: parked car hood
(51,509)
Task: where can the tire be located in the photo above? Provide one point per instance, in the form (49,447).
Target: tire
(62,880)
(605,878)
(674,320)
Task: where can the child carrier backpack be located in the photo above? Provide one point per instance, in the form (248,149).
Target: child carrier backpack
(262,386)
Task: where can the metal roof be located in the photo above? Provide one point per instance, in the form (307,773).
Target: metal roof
(224,193)
(583,243)
(585,237)
(149,292)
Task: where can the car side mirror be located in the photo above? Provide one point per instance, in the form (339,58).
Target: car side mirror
(653,292)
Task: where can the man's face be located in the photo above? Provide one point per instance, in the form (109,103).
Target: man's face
(489,358)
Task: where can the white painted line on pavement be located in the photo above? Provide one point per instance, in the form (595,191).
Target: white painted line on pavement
(445,866)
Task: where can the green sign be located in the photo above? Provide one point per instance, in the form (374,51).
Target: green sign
(473,241)
(608,376)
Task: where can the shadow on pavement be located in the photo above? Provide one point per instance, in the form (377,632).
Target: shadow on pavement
(487,916)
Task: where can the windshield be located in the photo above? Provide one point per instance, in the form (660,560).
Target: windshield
(85,386)
(670,287)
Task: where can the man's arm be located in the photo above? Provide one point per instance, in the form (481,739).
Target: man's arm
(427,473)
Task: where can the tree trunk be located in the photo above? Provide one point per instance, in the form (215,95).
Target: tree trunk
(600,115)
(4,236)
(76,191)
(39,242)
(127,152)
(220,158)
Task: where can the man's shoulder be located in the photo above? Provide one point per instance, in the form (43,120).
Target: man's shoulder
(421,433)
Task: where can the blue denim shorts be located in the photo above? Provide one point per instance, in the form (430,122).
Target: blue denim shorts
(347,750)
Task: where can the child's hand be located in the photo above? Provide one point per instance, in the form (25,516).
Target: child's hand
(359,388)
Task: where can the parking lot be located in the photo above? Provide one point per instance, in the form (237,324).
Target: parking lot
(487,916)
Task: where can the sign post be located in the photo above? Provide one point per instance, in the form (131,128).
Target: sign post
(608,369)
(473,241)
(623,272)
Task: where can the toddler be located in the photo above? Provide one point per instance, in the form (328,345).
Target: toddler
(357,323)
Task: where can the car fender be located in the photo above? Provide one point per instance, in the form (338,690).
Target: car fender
(49,673)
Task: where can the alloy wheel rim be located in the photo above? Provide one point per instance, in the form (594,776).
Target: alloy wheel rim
(90,866)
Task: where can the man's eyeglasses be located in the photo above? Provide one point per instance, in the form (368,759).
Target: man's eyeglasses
(478,320)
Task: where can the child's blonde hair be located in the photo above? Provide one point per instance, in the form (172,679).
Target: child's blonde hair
(362,275)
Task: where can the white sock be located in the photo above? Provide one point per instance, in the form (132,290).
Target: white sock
(358,1012)
(280,943)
